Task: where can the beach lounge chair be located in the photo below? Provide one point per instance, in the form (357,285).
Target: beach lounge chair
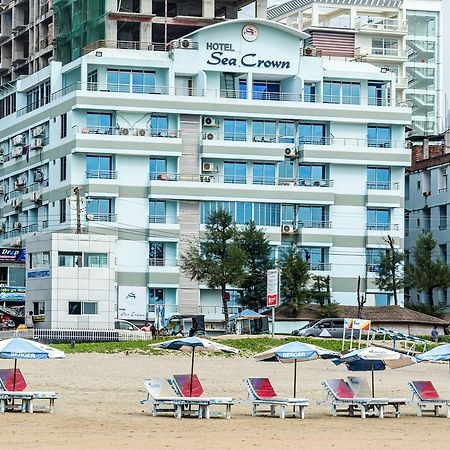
(339,393)
(261,393)
(178,406)
(424,395)
(361,388)
(13,391)
(181,384)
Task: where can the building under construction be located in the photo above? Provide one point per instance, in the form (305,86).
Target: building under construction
(33,32)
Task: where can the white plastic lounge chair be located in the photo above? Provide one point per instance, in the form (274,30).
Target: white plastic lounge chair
(361,388)
(178,406)
(181,384)
(261,393)
(424,395)
(339,393)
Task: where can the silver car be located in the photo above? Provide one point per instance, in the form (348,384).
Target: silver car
(326,328)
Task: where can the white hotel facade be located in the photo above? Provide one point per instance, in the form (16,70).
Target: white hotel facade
(153,141)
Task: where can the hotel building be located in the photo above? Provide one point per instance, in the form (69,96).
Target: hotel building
(136,147)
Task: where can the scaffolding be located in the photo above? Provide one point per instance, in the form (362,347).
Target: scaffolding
(79,23)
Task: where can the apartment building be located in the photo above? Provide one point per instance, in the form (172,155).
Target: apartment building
(403,37)
(142,145)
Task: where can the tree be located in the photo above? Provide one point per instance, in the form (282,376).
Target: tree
(294,277)
(329,310)
(218,260)
(257,262)
(320,291)
(390,273)
(426,274)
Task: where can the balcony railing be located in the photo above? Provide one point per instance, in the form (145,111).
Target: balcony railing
(124,131)
(162,262)
(381,52)
(163,219)
(324,267)
(381,24)
(381,226)
(127,45)
(101,174)
(382,186)
(101,217)
(372,268)
(314,224)
(218,310)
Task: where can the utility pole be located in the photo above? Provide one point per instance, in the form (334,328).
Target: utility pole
(76,191)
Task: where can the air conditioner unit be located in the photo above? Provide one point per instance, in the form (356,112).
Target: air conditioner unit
(288,229)
(124,131)
(17,151)
(35,196)
(290,152)
(89,216)
(36,143)
(17,225)
(38,131)
(309,51)
(208,167)
(17,140)
(186,43)
(21,181)
(15,242)
(16,202)
(38,175)
(210,136)
(206,178)
(209,122)
(142,132)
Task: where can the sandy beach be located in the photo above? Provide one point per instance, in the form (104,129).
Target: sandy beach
(98,407)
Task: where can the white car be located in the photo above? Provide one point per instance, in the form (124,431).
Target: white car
(120,324)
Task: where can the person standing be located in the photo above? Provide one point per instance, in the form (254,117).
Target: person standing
(29,323)
(434,334)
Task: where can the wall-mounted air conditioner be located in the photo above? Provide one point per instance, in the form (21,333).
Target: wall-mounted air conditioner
(35,196)
(38,131)
(208,167)
(290,152)
(15,242)
(38,175)
(210,122)
(17,225)
(17,140)
(17,151)
(210,136)
(36,143)
(288,228)
(16,202)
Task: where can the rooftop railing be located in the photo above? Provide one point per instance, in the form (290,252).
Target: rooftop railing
(381,24)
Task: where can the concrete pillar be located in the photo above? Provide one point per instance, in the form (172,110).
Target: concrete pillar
(314,15)
(261,9)
(209,9)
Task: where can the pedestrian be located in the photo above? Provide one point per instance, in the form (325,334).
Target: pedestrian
(153,330)
(146,328)
(434,334)
(29,323)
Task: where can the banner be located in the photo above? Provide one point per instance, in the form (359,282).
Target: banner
(132,302)
(12,255)
(272,288)
(361,324)
(12,293)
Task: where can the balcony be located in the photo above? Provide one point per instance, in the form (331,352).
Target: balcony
(314,224)
(381,25)
(372,268)
(382,186)
(162,262)
(163,219)
(320,266)
(101,217)
(382,54)
(122,131)
(101,174)
(381,227)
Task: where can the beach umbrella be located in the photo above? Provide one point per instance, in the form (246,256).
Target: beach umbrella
(439,353)
(194,344)
(19,348)
(374,358)
(294,352)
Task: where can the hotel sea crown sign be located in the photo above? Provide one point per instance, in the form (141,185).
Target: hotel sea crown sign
(272,288)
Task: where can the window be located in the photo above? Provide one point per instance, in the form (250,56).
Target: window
(384,46)
(309,92)
(7,105)
(235,129)
(382,299)
(157,211)
(38,96)
(311,175)
(99,122)
(155,296)
(266,90)
(92,79)
(137,81)
(235,172)
(156,254)
(286,132)
(288,212)
(38,308)
(99,167)
(158,166)
(312,217)
(442,217)
(378,178)
(264,173)
(69,259)
(341,92)
(242,89)
(378,136)
(63,168)
(159,125)
(62,211)
(100,209)
(39,259)
(264,131)
(95,260)
(317,257)
(82,308)
(266,214)
(377,94)
(16,276)
(286,171)
(373,258)
(443,252)
(378,219)
(312,133)
(63,125)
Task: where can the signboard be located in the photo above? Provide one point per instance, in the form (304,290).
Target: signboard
(38,318)
(132,302)
(39,274)
(272,288)
(12,293)
(12,255)
(361,324)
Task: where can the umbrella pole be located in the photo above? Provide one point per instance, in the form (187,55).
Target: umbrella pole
(295,382)
(14,377)
(373,383)
(192,371)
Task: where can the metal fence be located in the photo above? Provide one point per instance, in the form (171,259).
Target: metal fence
(68,335)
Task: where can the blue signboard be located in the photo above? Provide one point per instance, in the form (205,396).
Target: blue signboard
(39,274)
(12,255)
(12,293)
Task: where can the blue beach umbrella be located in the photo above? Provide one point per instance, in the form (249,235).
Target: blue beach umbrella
(19,348)
(194,344)
(294,352)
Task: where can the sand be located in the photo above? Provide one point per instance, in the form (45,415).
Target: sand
(98,407)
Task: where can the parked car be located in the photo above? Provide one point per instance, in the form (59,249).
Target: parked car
(325,328)
(121,324)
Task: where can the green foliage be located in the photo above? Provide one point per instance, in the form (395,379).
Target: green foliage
(320,291)
(257,262)
(294,277)
(329,310)
(390,273)
(426,274)
(218,260)
(431,310)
